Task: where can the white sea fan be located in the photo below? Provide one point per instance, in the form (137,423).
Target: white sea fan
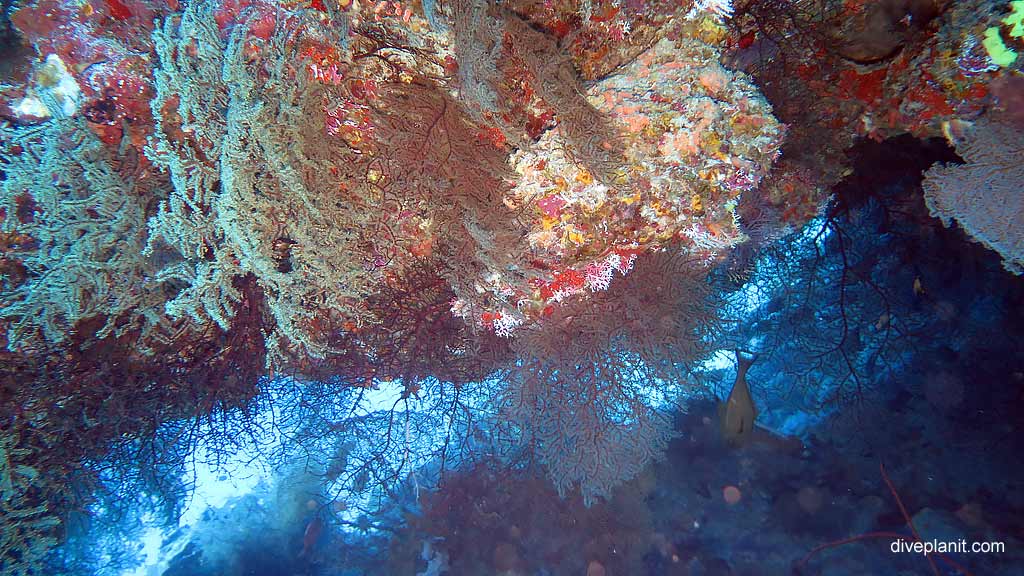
(983,194)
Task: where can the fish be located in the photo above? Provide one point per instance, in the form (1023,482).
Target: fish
(310,537)
(737,413)
(919,287)
(882,322)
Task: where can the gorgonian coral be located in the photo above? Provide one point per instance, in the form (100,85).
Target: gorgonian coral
(586,391)
(80,213)
(983,195)
(345,192)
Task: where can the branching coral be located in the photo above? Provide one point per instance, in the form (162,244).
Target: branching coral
(320,189)
(241,123)
(477,44)
(414,335)
(594,139)
(432,159)
(409,170)
(409,334)
(584,394)
(29,528)
(81,211)
(331,204)
(592,429)
(91,420)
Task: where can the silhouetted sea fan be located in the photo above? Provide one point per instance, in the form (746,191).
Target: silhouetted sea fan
(409,334)
(416,336)
(586,392)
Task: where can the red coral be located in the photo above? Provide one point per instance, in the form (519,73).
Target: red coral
(118,10)
(928,102)
(866,87)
